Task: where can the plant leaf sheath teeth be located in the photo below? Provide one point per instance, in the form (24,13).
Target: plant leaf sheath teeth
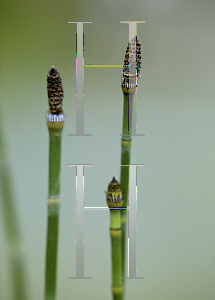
(132,65)
(114,194)
(55,118)
(55,92)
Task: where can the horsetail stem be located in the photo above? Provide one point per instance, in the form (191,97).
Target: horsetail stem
(131,75)
(114,198)
(55,122)
(15,254)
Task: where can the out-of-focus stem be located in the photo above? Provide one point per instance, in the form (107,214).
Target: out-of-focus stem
(12,229)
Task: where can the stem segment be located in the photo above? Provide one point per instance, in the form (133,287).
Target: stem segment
(115,201)
(115,234)
(124,170)
(55,133)
(52,245)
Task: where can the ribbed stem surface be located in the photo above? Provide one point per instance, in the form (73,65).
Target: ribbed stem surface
(51,253)
(124,171)
(115,233)
(54,162)
(53,213)
(127,115)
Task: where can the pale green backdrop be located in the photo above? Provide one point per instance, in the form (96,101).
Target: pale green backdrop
(175,109)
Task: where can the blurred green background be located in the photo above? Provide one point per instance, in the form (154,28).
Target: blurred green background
(175,109)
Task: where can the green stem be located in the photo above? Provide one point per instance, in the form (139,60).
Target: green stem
(115,234)
(53,210)
(127,115)
(51,248)
(54,162)
(124,170)
(11,227)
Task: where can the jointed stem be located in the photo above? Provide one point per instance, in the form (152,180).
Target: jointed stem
(124,171)
(115,201)
(131,75)
(116,259)
(55,122)
(53,210)
(115,233)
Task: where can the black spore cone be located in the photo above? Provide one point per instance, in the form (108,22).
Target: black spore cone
(132,64)
(114,195)
(55,91)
